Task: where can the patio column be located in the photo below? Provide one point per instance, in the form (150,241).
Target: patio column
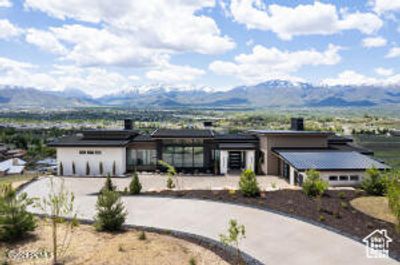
(250,154)
(223,162)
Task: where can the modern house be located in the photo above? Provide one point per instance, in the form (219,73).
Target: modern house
(287,153)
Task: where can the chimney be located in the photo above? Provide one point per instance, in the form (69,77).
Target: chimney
(208,124)
(128,124)
(297,124)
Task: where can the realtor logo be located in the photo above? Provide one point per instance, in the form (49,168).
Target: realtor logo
(377,244)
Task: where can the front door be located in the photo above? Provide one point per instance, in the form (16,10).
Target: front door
(235,160)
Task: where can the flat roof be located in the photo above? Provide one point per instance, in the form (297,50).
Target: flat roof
(80,141)
(326,160)
(237,146)
(290,132)
(182,133)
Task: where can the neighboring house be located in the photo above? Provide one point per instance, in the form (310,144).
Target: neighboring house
(204,150)
(12,166)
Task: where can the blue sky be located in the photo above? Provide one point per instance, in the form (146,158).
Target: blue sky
(103,46)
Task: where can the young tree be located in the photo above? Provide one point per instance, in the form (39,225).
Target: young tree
(393,194)
(135,187)
(374,183)
(111,212)
(108,185)
(87,169)
(248,184)
(114,169)
(73,168)
(235,233)
(15,220)
(58,206)
(171,174)
(61,169)
(314,186)
(101,169)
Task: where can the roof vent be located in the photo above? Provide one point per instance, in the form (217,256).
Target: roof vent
(297,124)
(128,125)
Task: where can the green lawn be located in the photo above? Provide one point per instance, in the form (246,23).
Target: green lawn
(386,148)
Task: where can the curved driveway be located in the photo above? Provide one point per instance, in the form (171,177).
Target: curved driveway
(271,238)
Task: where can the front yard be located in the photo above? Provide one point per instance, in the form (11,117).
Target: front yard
(91,247)
(334,210)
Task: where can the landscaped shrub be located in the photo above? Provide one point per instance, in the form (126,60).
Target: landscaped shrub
(171,173)
(393,194)
(248,184)
(108,185)
(61,169)
(114,169)
(135,187)
(101,169)
(314,186)
(111,212)
(87,169)
(375,183)
(142,235)
(15,220)
(73,168)
(236,232)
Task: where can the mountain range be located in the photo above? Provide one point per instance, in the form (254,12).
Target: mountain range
(272,93)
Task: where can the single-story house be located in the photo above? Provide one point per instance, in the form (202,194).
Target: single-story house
(12,166)
(269,152)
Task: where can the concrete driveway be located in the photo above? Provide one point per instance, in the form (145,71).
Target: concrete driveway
(271,238)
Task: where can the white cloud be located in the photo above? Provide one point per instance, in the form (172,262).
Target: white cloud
(45,40)
(384,71)
(393,52)
(351,77)
(93,80)
(382,6)
(265,63)
(141,27)
(286,22)
(374,42)
(5,3)
(8,30)
(174,73)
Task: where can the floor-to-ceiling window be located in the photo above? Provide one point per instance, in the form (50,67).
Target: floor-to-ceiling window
(185,153)
(141,157)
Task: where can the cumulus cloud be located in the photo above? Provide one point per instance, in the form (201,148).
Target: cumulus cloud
(174,73)
(384,71)
(350,77)
(374,42)
(287,22)
(45,40)
(266,63)
(382,6)
(5,3)
(136,33)
(93,80)
(8,30)
(393,52)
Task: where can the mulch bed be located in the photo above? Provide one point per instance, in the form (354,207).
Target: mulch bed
(333,211)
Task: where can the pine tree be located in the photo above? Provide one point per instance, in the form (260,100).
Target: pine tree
(73,168)
(111,212)
(87,169)
(135,187)
(108,185)
(61,169)
(101,169)
(15,220)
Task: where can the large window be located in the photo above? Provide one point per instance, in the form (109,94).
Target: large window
(142,157)
(184,156)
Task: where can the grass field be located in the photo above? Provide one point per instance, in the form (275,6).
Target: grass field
(386,148)
(16,180)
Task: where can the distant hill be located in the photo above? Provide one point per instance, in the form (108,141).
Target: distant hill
(273,93)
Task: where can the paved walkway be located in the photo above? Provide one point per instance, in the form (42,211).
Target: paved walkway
(271,238)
